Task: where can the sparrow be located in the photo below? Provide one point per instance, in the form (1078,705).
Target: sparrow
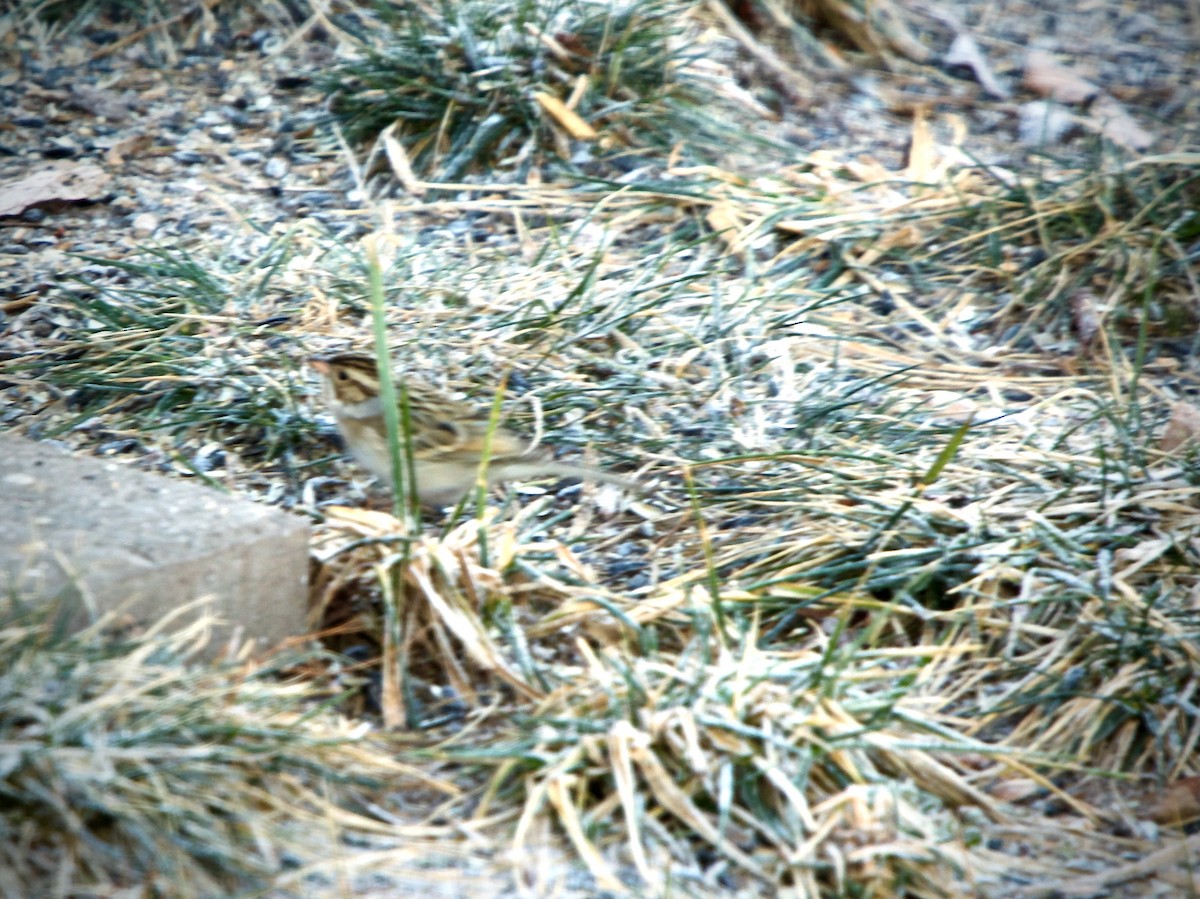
(448,437)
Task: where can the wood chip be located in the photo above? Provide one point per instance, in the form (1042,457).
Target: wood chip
(74,181)
(1110,118)
(1046,77)
(1182,429)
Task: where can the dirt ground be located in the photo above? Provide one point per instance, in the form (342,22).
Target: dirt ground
(215,138)
(211,132)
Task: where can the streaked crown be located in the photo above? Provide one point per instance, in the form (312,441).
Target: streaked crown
(352,378)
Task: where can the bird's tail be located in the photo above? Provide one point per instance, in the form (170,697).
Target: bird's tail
(523,469)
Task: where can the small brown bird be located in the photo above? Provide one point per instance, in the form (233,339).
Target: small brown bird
(448,437)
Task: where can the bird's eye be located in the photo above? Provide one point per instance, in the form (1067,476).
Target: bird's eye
(342,376)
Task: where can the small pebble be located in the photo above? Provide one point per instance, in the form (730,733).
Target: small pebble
(145,224)
(351,230)
(59,151)
(112,447)
(275,168)
(616,569)
(55,74)
(29,121)
(188,157)
(1043,122)
(317,198)
(208,457)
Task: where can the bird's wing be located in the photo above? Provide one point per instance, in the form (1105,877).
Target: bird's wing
(447,429)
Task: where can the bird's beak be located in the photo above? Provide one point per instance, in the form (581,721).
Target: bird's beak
(319,364)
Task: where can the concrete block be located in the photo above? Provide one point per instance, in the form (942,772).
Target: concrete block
(113,538)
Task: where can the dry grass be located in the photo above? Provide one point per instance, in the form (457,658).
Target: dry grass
(908,607)
(127,768)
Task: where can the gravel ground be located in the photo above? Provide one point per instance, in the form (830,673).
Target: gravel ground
(214,136)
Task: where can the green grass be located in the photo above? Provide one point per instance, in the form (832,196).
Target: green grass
(140,353)
(912,580)
(459,85)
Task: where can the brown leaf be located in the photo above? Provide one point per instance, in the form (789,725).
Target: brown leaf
(723,218)
(1046,77)
(126,146)
(1016,789)
(74,181)
(1182,428)
(965,53)
(1178,803)
(99,102)
(1109,117)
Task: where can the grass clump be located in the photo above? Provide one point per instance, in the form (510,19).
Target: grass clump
(127,766)
(1104,249)
(740,758)
(133,348)
(475,86)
